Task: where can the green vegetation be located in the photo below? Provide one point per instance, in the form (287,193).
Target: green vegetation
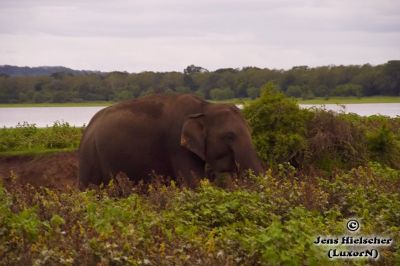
(324,168)
(27,139)
(300,82)
(278,125)
(267,220)
(319,139)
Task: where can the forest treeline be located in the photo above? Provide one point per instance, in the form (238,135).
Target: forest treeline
(226,83)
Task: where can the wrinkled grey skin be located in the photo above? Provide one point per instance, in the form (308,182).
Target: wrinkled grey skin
(169,135)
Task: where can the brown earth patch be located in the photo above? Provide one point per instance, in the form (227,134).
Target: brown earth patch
(58,170)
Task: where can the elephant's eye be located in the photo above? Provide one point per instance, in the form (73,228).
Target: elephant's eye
(229,136)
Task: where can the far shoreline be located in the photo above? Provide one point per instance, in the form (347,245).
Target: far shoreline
(350,100)
(318,100)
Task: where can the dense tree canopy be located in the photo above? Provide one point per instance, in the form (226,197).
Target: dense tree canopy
(300,81)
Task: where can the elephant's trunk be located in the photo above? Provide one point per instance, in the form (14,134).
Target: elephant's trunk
(248,161)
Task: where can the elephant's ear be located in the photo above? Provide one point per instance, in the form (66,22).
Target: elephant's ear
(193,135)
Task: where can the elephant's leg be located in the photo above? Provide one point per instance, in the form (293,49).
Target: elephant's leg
(88,173)
(188,168)
(92,171)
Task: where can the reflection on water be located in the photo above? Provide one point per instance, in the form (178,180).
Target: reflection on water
(78,116)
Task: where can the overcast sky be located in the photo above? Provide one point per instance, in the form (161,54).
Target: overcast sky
(161,35)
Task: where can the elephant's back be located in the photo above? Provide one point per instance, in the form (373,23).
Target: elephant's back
(159,112)
(130,124)
(157,108)
(151,106)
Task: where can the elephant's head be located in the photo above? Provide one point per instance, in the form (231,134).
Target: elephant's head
(220,136)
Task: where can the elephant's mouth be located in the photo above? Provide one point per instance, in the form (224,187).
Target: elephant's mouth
(221,174)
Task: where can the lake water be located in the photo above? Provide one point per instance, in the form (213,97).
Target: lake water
(46,116)
(364,109)
(78,116)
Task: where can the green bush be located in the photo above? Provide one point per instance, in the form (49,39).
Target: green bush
(313,139)
(384,147)
(334,142)
(278,126)
(381,137)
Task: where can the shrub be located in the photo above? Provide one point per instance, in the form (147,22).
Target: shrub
(384,147)
(333,142)
(278,126)
(313,139)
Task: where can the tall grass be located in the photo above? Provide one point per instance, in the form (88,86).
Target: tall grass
(26,138)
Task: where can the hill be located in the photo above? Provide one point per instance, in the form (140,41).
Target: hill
(15,71)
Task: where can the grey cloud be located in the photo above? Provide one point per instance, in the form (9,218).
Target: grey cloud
(189,18)
(252,32)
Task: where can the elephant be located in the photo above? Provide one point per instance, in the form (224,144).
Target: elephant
(177,136)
